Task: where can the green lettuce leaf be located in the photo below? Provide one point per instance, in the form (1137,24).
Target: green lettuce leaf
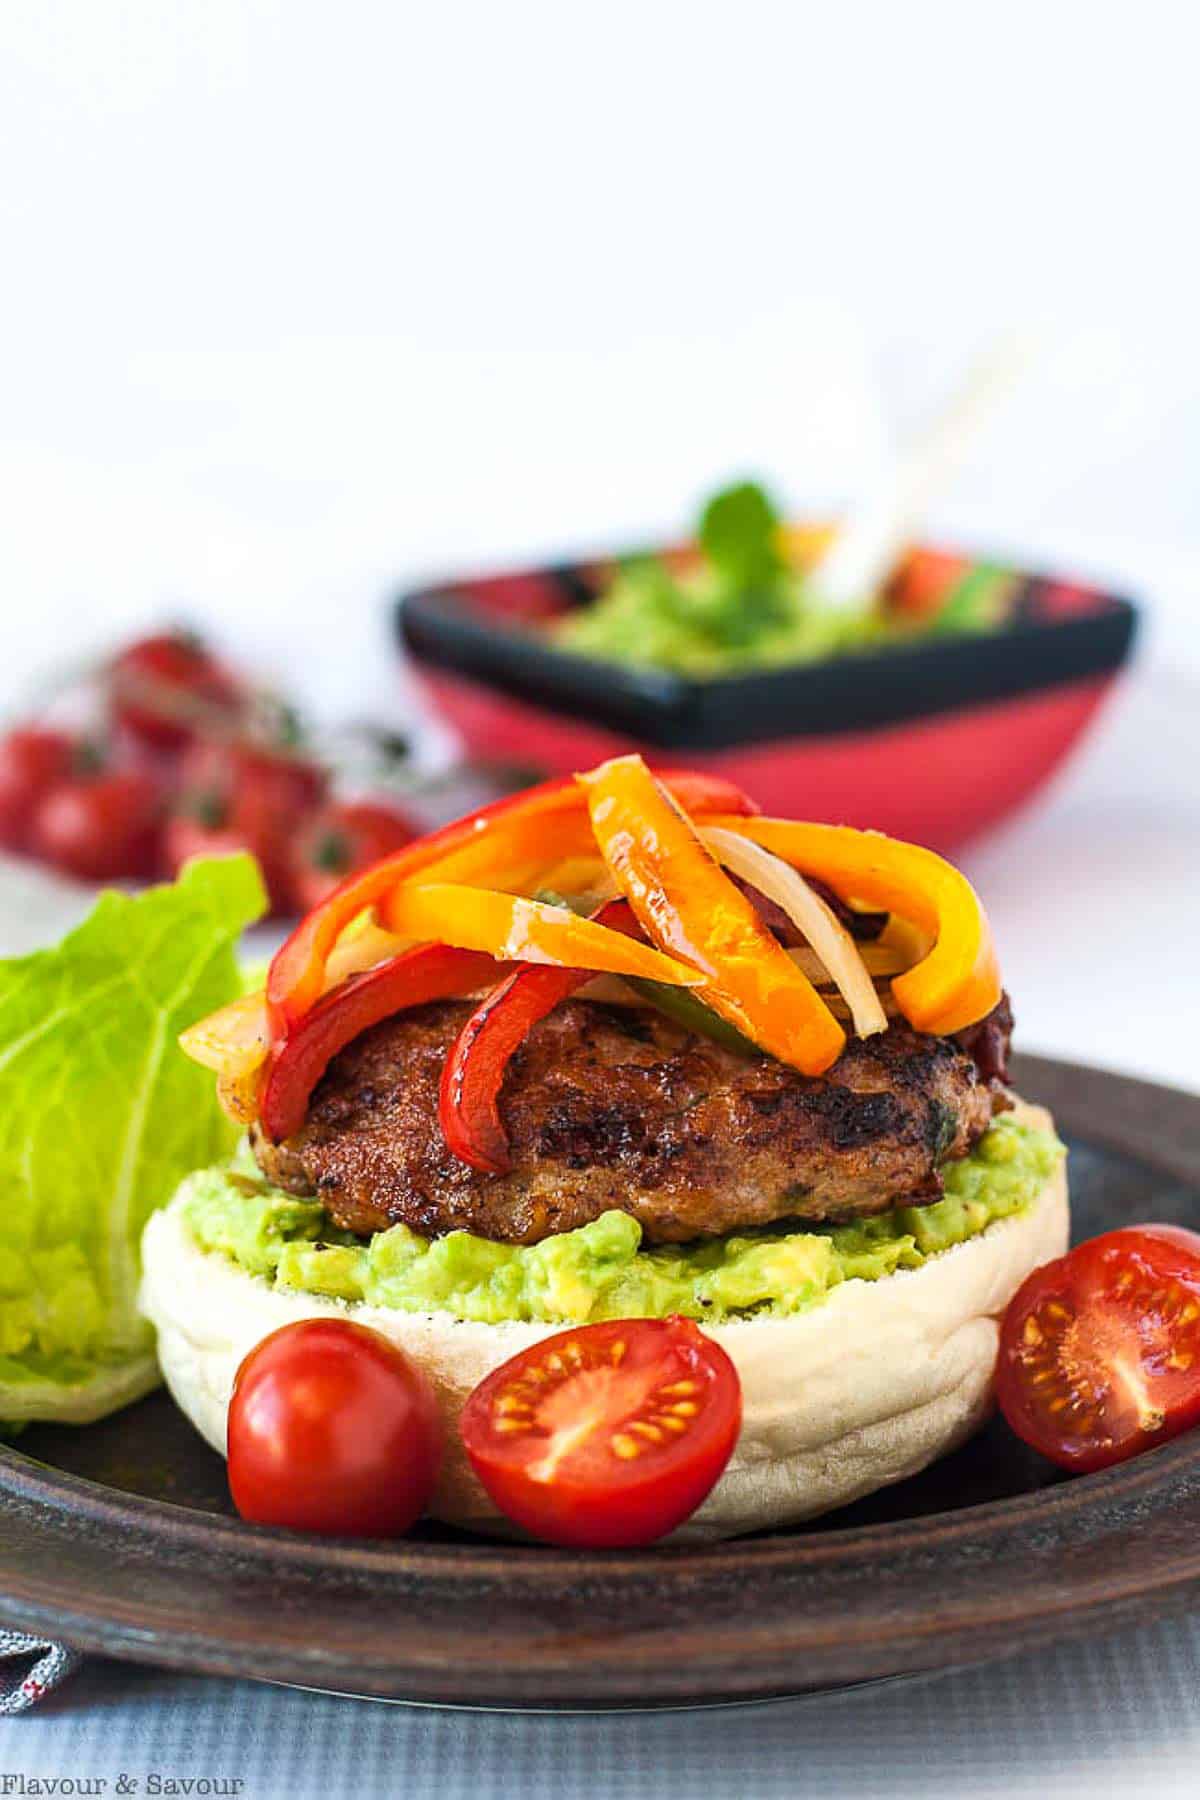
(101,1114)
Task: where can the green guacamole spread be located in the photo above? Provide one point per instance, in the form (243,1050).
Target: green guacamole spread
(601,1271)
(743,604)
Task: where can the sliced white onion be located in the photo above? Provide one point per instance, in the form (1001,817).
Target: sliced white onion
(877,959)
(360,947)
(809,913)
(609,990)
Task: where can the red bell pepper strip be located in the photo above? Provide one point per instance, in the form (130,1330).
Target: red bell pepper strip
(468,1108)
(431,972)
(297,972)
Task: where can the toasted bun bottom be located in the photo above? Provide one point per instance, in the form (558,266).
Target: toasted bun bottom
(867,1388)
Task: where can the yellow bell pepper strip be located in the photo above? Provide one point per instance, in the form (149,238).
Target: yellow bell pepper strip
(240,1096)
(360,947)
(906,940)
(513,929)
(490,838)
(234,1041)
(958,981)
(689,905)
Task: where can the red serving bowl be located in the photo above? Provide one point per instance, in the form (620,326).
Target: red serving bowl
(934,739)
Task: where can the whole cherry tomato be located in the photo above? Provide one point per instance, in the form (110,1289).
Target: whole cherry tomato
(102,827)
(164,687)
(332,1429)
(338,841)
(31,763)
(1100,1349)
(607,1435)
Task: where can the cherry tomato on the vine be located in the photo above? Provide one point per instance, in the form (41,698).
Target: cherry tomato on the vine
(605,1436)
(339,840)
(200,825)
(32,761)
(243,796)
(234,769)
(332,1429)
(102,827)
(165,687)
(1100,1349)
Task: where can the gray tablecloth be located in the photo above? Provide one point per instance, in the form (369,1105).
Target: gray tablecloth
(1114,1716)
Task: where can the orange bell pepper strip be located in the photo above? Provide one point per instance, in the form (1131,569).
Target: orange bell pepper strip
(958,981)
(494,834)
(531,849)
(513,929)
(687,903)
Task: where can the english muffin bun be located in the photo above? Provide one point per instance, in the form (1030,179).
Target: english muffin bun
(866,1388)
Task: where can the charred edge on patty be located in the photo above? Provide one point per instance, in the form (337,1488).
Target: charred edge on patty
(619,1107)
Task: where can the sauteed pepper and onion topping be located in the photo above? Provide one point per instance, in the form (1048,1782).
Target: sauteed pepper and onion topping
(788,941)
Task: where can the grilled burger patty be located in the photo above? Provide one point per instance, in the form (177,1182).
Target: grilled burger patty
(619,1107)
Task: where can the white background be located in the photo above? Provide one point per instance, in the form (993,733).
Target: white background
(297,300)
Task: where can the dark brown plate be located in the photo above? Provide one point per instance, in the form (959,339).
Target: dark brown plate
(118,1538)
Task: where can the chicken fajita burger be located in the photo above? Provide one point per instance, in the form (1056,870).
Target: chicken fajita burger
(616,1067)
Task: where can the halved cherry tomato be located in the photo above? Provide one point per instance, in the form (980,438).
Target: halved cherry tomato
(338,841)
(431,972)
(332,1429)
(297,972)
(1100,1349)
(166,687)
(608,1435)
(102,827)
(31,763)
(473,1073)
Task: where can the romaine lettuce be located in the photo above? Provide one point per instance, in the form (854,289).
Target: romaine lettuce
(100,1116)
